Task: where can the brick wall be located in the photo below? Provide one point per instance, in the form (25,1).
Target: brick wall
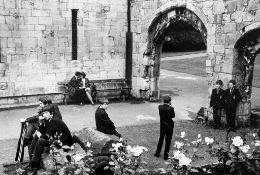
(35,38)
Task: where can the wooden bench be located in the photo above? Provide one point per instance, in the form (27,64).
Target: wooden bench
(109,88)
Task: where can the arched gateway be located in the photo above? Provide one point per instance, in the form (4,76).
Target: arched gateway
(166,20)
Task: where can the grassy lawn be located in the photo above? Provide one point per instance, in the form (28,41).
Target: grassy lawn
(143,135)
(195,66)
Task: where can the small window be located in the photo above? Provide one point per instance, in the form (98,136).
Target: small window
(74,16)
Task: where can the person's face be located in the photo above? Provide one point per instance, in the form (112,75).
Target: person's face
(217,86)
(41,104)
(46,115)
(231,85)
(105,106)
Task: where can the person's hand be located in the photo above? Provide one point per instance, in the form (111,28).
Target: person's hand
(22,120)
(38,134)
(87,89)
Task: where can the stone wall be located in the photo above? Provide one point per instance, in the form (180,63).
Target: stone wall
(225,21)
(36,42)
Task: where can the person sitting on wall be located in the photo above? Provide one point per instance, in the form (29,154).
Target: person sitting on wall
(217,103)
(48,129)
(86,86)
(103,122)
(33,122)
(76,92)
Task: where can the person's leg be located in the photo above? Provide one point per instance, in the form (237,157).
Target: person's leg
(215,116)
(88,92)
(32,146)
(218,119)
(160,142)
(30,130)
(39,148)
(168,140)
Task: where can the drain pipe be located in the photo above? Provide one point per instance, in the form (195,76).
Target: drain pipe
(129,47)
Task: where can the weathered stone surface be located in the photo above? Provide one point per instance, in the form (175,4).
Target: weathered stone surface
(100,143)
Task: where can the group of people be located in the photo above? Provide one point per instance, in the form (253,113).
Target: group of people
(79,88)
(225,100)
(47,128)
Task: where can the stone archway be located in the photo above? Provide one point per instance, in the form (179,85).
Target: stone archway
(157,32)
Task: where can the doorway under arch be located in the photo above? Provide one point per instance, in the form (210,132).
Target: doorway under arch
(162,25)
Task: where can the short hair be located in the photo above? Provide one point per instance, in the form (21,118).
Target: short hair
(233,82)
(103,100)
(167,99)
(83,74)
(78,73)
(219,82)
(44,100)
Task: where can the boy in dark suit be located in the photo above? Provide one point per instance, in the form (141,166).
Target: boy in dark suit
(232,98)
(103,122)
(166,112)
(217,103)
(48,128)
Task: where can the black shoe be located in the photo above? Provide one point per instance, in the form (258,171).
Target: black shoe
(157,155)
(166,156)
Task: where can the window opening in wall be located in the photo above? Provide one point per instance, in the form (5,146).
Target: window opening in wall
(74,13)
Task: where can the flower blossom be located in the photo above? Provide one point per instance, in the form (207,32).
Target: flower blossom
(78,157)
(254,134)
(184,161)
(237,141)
(177,155)
(88,144)
(244,148)
(116,146)
(209,140)
(183,134)
(257,143)
(136,150)
(199,136)
(178,144)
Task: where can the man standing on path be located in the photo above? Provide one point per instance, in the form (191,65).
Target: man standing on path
(232,98)
(166,112)
(103,122)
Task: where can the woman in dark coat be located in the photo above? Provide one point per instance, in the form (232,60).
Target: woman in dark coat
(217,103)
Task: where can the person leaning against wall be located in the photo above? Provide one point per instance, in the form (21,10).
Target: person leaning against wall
(217,103)
(232,98)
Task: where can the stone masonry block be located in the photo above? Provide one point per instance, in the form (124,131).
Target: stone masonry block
(9,4)
(230,27)
(220,38)
(219,48)
(45,20)
(31,20)
(218,7)
(231,40)
(236,16)
(231,6)
(40,13)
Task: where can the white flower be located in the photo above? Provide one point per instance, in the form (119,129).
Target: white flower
(178,144)
(78,157)
(245,148)
(136,150)
(254,134)
(237,141)
(257,143)
(184,161)
(183,134)
(199,136)
(209,140)
(88,144)
(116,146)
(177,155)
(161,170)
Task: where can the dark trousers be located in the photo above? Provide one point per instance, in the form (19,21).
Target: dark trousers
(167,134)
(231,118)
(217,117)
(80,96)
(36,148)
(111,132)
(30,130)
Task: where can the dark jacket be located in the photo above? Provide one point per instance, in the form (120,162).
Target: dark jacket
(217,100)
(54,126)
(103,122)
(73,85)
(232,99)
(54,108)
(166,114)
